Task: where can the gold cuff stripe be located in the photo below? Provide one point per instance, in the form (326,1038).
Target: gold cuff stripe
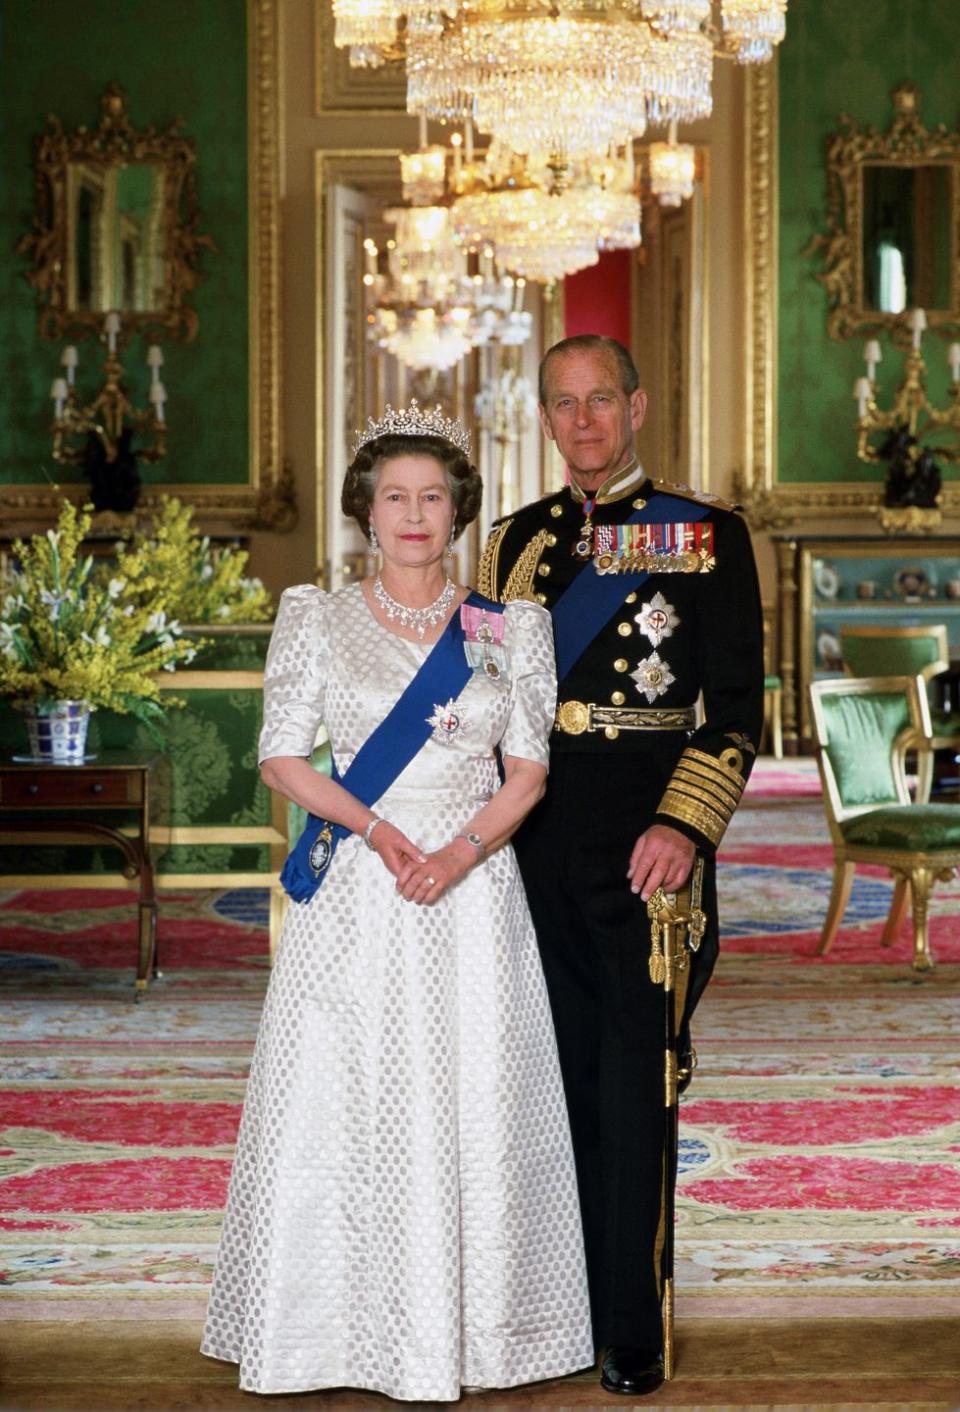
(696,793)
(716,778)
(720,786)
(699,788)
(693,812)
(711,762)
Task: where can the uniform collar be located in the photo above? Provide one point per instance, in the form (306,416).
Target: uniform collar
(616,486)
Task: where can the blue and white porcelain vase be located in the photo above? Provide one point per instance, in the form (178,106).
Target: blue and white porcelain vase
(58,731)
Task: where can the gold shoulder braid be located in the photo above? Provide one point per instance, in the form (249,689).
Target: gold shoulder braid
(519,584)
(687,492)
(487,572)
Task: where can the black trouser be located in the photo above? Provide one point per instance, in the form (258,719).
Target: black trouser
(594,940)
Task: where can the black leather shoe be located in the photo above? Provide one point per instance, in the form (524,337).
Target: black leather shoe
(686,1064)
(632,1371)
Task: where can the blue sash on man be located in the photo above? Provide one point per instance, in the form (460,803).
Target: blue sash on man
(592,599)
(386,753)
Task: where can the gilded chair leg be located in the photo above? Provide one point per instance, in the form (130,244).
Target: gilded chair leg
(776,724)
(921,885)
(278,911)
(839,897)
(924,776)
(898,910)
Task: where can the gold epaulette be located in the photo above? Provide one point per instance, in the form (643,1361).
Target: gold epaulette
(489,560)
(519,582)
(687,492)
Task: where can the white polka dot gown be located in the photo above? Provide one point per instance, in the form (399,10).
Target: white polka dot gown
(403,1211)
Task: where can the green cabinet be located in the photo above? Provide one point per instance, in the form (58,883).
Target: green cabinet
(828,581)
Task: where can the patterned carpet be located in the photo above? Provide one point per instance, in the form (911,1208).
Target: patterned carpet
(819,1140)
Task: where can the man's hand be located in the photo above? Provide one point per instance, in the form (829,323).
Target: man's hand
(661,857)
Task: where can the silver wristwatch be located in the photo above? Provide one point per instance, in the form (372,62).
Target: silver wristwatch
(478,844)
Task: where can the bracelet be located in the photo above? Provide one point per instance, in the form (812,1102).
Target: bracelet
(369,830)
(478,844)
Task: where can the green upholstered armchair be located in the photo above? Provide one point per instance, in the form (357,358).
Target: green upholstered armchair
(895,651)
(863,728)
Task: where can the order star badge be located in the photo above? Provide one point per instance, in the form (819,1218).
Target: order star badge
(448,722)
(653,677)
(657,619)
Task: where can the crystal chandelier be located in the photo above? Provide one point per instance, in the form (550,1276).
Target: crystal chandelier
(413,310)
(435,302)
(673,167)
(566,77)
(752,28)
(546,223)
(569,84)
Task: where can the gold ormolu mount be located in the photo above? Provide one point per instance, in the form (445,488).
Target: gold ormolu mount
(677,925)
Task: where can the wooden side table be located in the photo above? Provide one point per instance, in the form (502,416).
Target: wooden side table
(51,803)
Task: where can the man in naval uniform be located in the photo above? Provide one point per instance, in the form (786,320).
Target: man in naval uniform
(637,793)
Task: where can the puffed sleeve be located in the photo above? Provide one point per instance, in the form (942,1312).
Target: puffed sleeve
(528,638)
(295,674)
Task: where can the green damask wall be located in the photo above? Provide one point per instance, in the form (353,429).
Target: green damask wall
(844,56)
(179,58)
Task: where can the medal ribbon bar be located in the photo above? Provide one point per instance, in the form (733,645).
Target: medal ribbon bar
(675,547)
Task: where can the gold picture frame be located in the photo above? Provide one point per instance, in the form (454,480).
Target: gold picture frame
(768,503)
(853,152)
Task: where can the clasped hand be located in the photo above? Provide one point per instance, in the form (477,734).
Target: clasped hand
(421,877)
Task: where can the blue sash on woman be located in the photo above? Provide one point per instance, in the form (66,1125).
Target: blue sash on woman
(387,752)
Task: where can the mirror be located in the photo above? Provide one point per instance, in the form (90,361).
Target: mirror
(894,225)
(115,227)
(905,258)
(115,240)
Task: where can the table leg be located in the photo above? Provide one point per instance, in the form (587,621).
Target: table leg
(147,918)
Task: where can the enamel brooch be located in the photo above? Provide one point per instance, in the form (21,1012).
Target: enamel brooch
(448,722)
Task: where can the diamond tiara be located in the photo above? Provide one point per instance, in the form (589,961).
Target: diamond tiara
(411,421)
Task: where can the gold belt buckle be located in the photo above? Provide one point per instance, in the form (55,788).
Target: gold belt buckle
(573,717)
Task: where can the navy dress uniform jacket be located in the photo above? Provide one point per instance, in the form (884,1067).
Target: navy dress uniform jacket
(627,751)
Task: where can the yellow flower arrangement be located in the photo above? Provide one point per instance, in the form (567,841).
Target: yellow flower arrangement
(207,586)
(68,633)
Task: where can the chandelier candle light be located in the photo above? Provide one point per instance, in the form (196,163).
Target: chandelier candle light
(673,168)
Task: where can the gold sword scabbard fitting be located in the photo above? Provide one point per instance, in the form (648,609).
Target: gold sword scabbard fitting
(670,1076)
(657,964)
(668,1321)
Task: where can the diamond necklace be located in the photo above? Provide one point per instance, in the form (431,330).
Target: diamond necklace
(417,618)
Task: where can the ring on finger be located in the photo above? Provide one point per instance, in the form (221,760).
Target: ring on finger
(431,881)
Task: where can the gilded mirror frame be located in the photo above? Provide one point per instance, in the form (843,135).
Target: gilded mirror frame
(850,150)
(267,499)
(767,502)
(64,160)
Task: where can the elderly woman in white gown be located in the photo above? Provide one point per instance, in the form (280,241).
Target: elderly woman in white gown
(403,1210)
